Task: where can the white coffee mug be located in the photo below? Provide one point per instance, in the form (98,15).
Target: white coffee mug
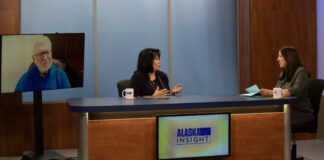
(277,93)
(128,93)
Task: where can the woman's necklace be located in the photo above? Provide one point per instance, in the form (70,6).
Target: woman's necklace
(153,79)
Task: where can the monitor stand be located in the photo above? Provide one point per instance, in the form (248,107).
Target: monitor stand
(39,153)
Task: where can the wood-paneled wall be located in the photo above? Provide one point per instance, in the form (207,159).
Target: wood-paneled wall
(16,119)
(243,43)
(17,127)
(271,24)
(10,103)
(9,16)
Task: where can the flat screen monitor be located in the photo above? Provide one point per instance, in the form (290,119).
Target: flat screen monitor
(190,136)
(33,62)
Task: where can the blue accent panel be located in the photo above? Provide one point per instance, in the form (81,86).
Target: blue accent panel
(125,27)
(205,131)
(62,16)
(204,46)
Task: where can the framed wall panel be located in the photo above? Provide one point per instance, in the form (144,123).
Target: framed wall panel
(273,24)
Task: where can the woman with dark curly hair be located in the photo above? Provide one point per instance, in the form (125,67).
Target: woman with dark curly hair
(148,80)
(293,80)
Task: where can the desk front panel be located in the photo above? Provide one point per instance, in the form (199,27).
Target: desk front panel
(253,135)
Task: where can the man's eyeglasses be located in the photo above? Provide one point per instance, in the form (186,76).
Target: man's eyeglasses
(42,54)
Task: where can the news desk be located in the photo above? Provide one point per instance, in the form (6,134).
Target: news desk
(115,128)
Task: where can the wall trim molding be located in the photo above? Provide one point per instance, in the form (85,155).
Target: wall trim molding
(169,44)
(95,32)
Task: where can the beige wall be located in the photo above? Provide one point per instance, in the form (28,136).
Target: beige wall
(17,53)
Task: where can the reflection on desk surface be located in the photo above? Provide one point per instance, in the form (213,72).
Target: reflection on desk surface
(155,97)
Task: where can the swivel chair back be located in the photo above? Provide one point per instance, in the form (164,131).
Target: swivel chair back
(315,90)
(121,85)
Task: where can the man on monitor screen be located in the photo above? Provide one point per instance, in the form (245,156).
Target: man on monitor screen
(44,75)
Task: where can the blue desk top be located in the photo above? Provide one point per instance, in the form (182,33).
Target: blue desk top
(114,104)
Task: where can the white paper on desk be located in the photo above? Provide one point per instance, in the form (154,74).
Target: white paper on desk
(253,90)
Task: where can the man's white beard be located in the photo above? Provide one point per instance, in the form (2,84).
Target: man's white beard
(43,70)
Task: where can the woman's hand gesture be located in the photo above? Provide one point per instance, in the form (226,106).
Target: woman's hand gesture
(162,92)
(176,89)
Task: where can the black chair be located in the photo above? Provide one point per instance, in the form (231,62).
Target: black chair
(121,85)
(315,90)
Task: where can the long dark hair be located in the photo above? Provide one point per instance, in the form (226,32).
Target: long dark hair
(145,60)
(293,61)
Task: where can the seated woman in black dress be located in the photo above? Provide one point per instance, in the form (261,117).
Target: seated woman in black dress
(293,80)
(148,80)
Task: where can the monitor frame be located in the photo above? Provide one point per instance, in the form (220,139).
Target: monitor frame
(78,84)
(194,114)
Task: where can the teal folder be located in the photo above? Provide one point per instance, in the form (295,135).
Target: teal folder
(253,90)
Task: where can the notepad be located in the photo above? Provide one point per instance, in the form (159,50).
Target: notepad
(253,90)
